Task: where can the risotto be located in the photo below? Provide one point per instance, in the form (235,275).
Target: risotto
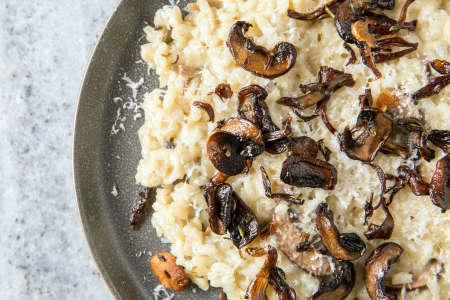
(191,57)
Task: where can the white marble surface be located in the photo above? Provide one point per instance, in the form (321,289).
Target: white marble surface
(44,50)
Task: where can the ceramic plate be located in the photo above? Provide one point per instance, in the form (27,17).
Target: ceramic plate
(106,153)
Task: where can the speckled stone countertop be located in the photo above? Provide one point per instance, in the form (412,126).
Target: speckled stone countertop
(44,50)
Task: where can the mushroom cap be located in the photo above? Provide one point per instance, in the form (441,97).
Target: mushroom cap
(440,184)
(376,267)
(257,59)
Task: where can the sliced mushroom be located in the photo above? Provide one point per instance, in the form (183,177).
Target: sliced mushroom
(304,146)
(257,59)
(338,285)
(232,144)
(440,184)
(270,274)
(243,227)
(383,231)
(435,84)
(206,107)
(221,204)
(329,81)
(432,270)
(138,210)
(376,267)
(224,91)
(373,128)
(318,13)
(418,186)
(440,138)
(288,236)
(267,184)
(347,246)
(441,66)
(253,107)
(301,171)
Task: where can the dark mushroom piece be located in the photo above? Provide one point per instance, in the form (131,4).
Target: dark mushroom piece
(346,246)
(267,184)
(329,81)
(252,106)
(373,128)
(138,210)
(372,33)
(310,259)
(376,267)
(407,176)
(244,225)
(206,107)
(270,274)
(302,171)
(304,146)
(417,138)
(232,144)
(338,285)
(257,59)
(433,269)
(440,138)
(224,91)
(383,231)
(440,184)
(435,84)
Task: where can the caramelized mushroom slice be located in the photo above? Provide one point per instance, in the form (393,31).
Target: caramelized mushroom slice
(432,270)
(372,130)
(267,184)
(301,171)
(440,184)
(232,144)
(224,91)
(205,107)
(220,207)
(304,146)
(440,138)
(270,274)
(253,107)
(347,246)
(288,236)
(418,186)
(329,81)
(338,285)
(434,86)
(319,13)
(243,227)
(441,66)
(257,59)
(383,231)
(376,267)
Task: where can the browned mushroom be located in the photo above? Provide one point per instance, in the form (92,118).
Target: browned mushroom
(267,184)
(224,91)
(435,84)
(383,231)
(373,33)
(301,171)
(138,210)
(257,59)
(338,285)
(305,146)
(253,107)
(407,176)
(440,184)
(289,236)
(206,107)
(376,267)
(373,128)
(270,274)
(440,138)
(346,246)
(432,270)
(329,81)
(228,212)
(233,143)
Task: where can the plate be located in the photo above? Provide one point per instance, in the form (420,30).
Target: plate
(107,151)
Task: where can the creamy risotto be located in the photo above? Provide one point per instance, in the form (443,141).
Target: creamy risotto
(191,58)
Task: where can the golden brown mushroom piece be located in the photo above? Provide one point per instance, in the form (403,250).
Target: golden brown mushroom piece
(376,267)
(346,246)
(257,59)
(338,285)
(270,274)
(289,237)
(433,269)
(435,84)
(440,184)
(232,144)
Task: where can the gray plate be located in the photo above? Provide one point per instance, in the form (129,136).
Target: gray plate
(103,160)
